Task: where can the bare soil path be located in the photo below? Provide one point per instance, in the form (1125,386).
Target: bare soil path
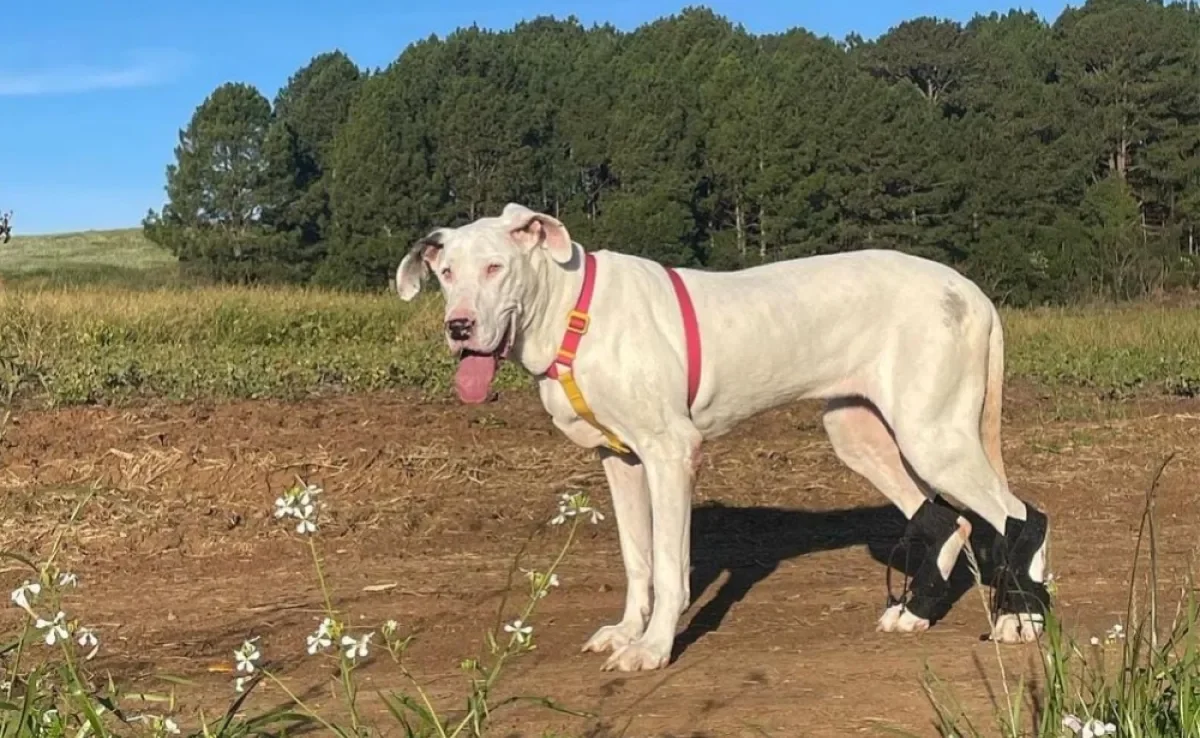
(181,558)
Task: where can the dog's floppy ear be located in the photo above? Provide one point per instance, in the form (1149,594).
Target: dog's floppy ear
(413,267)
(532,229)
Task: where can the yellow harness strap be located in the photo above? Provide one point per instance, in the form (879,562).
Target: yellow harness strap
(581,408)
(578,321)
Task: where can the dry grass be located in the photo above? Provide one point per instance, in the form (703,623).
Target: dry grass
(112,345)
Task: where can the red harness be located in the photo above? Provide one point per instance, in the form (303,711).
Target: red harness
(578,321)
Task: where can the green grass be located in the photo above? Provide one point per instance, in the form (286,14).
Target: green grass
(119,257)
(103,317)
(114,345)
(1116,349)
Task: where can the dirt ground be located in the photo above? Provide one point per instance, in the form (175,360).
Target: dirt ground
(428,501)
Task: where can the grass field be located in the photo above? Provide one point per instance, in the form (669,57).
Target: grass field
(119,257)
(105,344)
(97,317)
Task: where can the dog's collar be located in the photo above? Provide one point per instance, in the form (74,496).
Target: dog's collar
(578,319)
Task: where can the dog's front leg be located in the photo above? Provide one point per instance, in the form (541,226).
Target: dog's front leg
(631,505)
(670,473)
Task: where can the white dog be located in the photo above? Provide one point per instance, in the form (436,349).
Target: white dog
(652,362)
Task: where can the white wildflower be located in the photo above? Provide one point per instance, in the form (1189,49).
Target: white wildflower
(565,510)
(239,684)
(1089,729)
(87,638)
(299,502)
(308,520)
(520,630)
(571,505)
(356,647)
(285,506)
(323,638)
(1095,729)
(247,656)
(1095,641)
(67,579)
(308,495)
(24,595)
(56,629)
(1117,632)
(540,583)
(160,725)
(390,627)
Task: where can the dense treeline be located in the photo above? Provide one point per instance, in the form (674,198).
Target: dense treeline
(1049,162)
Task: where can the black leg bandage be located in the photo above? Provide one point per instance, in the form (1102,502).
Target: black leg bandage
(1015,591)
(932,525)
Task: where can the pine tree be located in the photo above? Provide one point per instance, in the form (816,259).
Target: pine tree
(309,110)
(223,190)
(384,190)
(1049,162)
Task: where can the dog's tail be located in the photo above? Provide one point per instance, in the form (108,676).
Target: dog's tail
(993,398)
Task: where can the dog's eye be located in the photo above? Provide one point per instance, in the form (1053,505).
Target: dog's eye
(446,273)
(492,269)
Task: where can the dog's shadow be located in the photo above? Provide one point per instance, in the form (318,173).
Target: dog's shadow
(750,542)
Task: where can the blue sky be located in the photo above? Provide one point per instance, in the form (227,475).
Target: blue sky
(92,94)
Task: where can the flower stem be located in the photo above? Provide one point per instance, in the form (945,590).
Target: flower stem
(312,547)
(296,699)
(15,670)
(81,688)
(351,695)
(484,689)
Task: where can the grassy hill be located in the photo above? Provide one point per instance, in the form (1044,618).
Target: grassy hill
(118,257)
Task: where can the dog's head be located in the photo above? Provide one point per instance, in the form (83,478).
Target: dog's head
(487,271)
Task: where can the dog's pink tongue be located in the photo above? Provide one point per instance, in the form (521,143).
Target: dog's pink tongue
(474,378)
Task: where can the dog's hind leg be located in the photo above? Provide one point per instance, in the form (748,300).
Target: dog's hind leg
(863,442)
(936,415)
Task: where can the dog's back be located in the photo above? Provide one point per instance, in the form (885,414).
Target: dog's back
(827,326)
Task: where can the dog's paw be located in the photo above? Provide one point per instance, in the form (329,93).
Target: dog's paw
(639,656)
(1012,628)
(896,619)
(613,637)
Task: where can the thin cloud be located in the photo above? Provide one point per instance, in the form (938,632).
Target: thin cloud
(144,70)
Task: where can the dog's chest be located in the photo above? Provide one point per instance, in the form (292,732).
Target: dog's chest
(575,428)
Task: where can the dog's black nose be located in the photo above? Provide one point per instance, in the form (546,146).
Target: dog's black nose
(459,328)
